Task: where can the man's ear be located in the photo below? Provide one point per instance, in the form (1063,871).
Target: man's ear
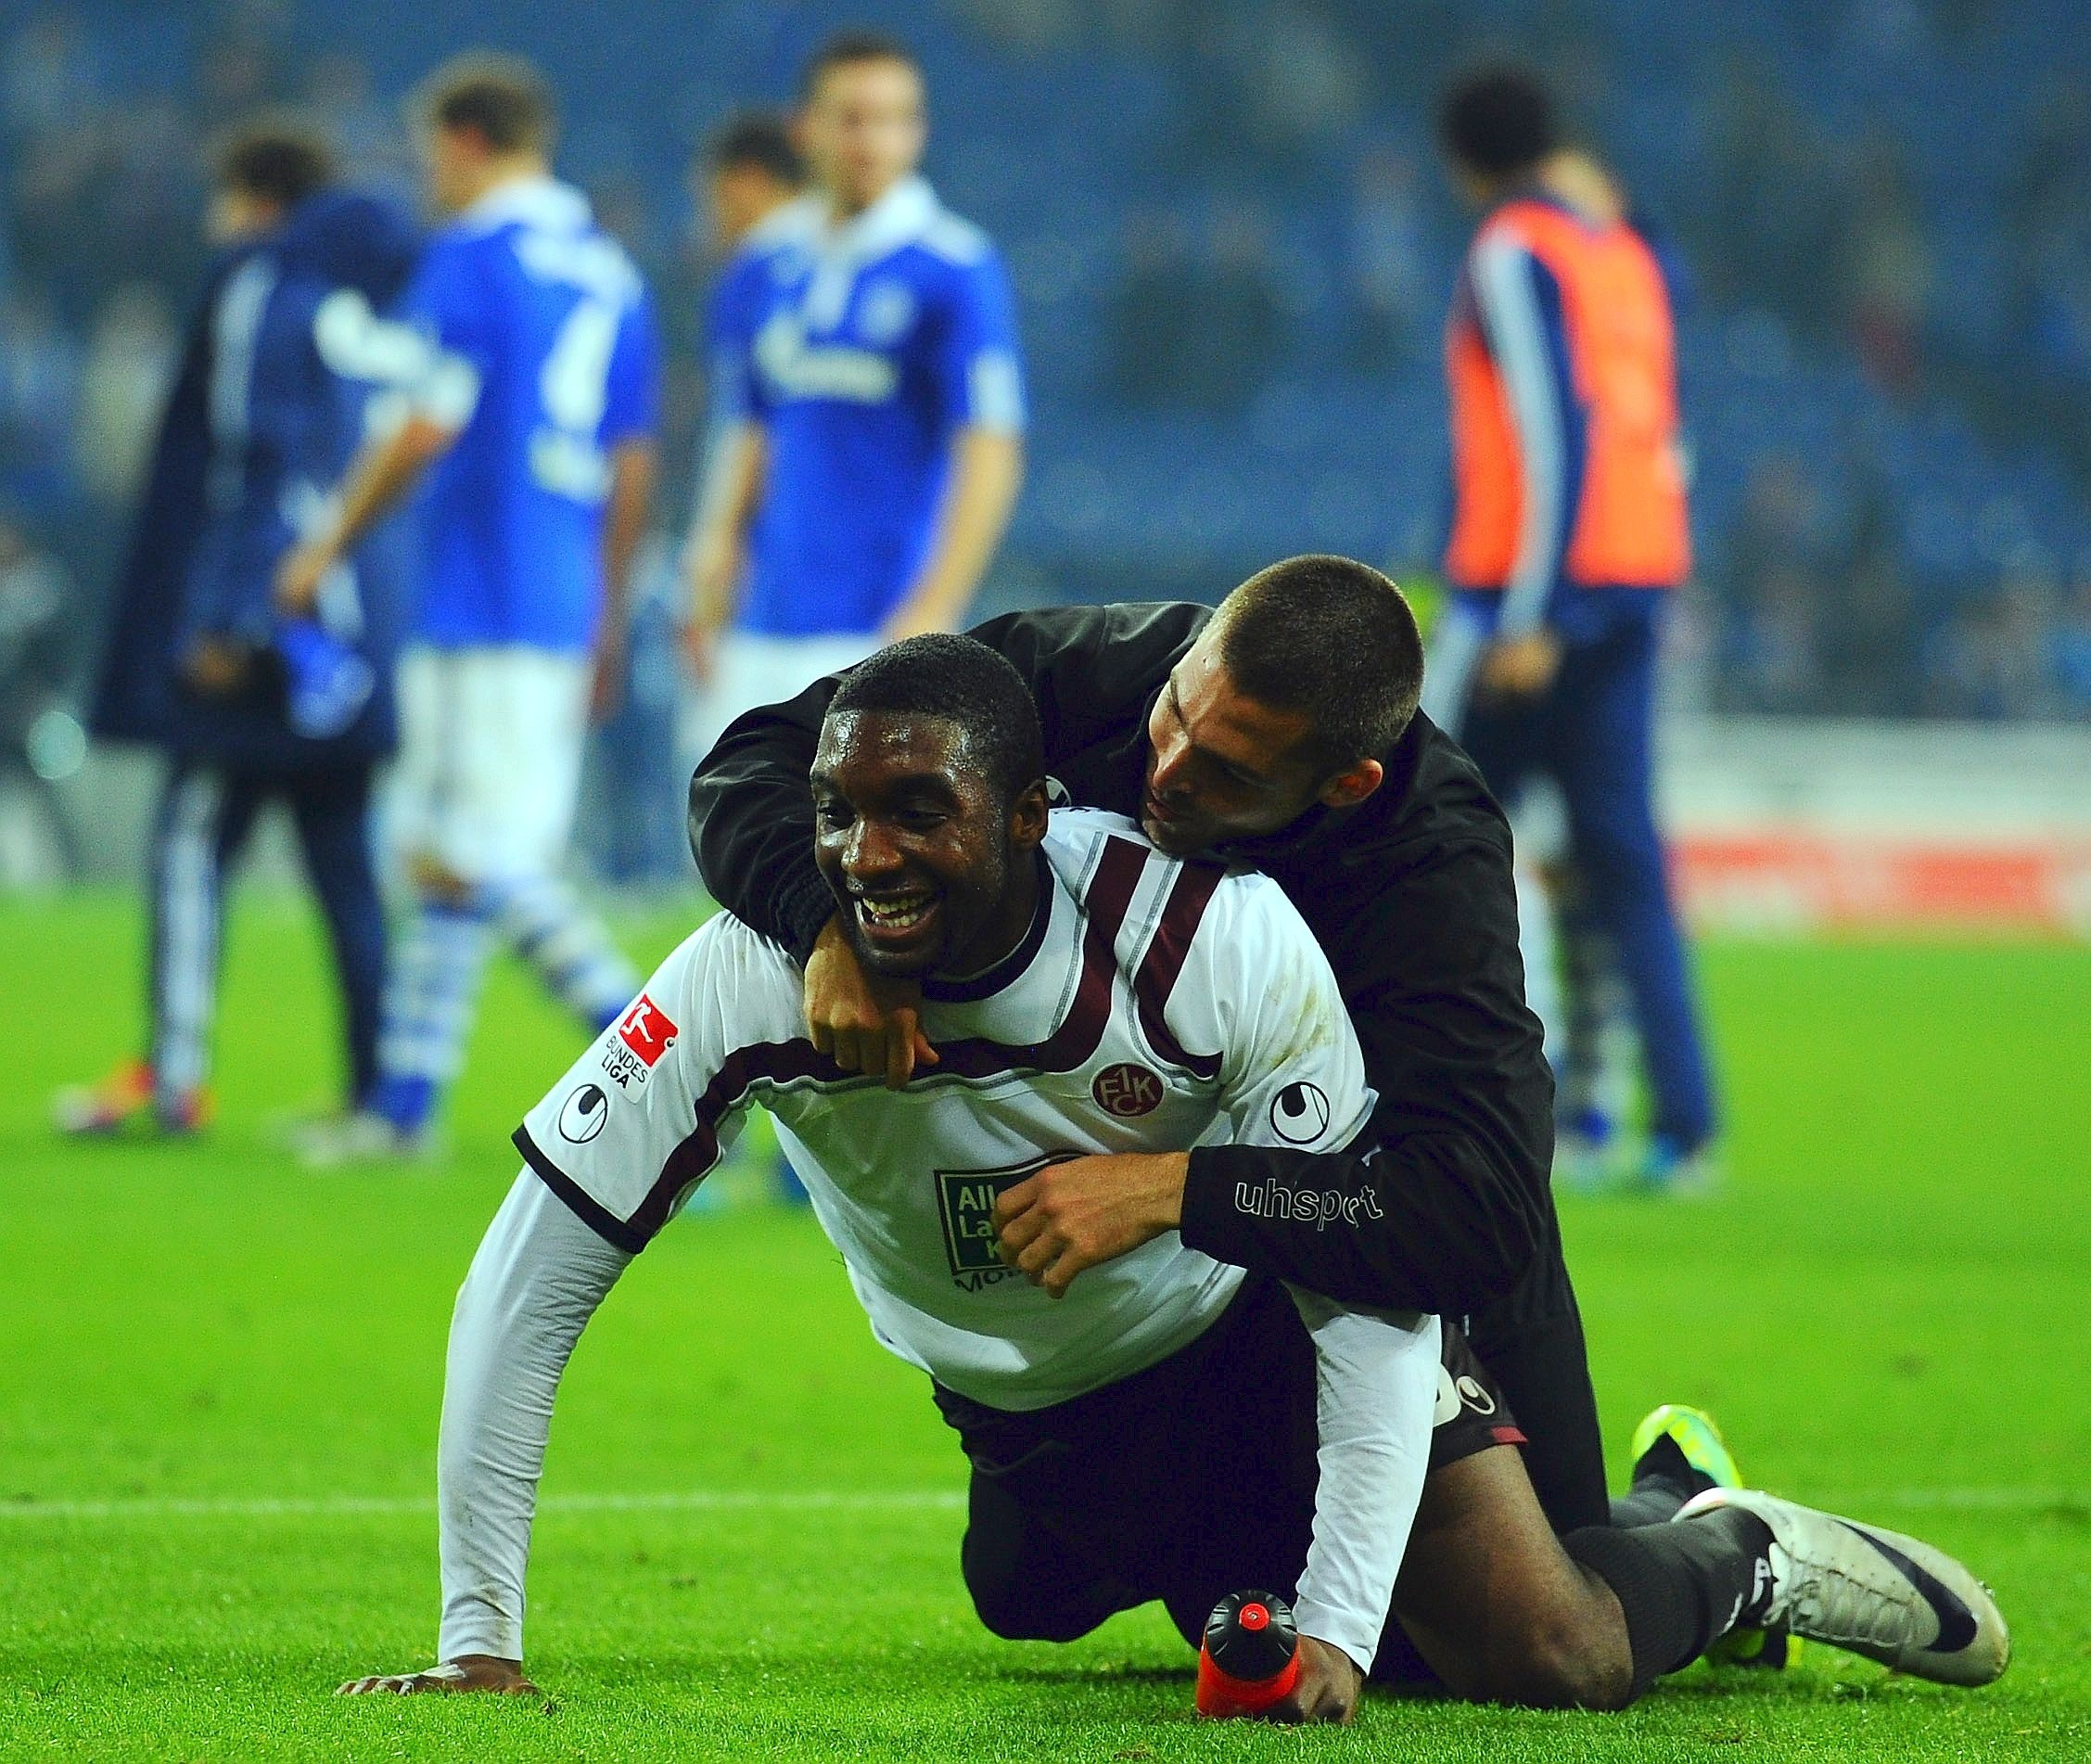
(1027,816)
(1352,786)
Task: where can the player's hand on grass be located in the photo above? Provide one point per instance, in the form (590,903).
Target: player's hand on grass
(863,1022)
(1327,1689)
(1522,667)
(480,1672)
(1088,1211)
(299,575)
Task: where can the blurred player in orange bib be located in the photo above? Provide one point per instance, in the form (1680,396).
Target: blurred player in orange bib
(1569,531)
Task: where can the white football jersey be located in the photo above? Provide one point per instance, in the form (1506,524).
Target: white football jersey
(1156,1005)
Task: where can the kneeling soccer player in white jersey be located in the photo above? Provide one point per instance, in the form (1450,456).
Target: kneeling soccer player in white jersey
(1163,1425)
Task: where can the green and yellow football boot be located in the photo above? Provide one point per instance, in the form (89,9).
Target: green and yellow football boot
(1693,1433)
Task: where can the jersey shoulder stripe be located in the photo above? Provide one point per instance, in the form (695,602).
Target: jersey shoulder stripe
(1162,966)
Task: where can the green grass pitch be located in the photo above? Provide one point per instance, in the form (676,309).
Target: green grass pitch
(218,1380)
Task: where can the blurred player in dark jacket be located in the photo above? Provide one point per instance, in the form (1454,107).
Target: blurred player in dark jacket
(1569,534)
(284,357)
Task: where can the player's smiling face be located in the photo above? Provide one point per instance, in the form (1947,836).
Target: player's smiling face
(1220,766)
(930,870)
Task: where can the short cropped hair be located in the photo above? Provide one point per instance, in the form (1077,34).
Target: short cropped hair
(502,99)
(758,139)
(847,49)
(1332,639)
(280,157)
(1498,121)
(961,681)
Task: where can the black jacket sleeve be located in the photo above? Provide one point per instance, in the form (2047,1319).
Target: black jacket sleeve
(751,815)
(751,820)
(1452,1206)
(133,691)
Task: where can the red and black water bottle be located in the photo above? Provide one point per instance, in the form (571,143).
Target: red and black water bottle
(1250,1658)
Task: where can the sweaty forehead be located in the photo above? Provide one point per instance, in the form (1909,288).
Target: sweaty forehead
(861,748)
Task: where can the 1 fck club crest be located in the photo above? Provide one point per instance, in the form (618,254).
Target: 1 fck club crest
(1127,1092)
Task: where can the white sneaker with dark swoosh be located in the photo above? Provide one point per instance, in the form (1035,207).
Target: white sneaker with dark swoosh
(1892,1598)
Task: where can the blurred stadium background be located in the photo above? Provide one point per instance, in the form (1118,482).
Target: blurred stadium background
(1232,248)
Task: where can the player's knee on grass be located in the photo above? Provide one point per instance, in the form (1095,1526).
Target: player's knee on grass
(1019,1597)
(1494,1606)
(1563,1652)
(1018,1613)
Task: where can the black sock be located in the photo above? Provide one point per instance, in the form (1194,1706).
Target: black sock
(1682,1586)
(1663,1480)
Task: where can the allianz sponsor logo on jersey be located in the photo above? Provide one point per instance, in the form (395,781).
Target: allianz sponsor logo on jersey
(965,1198)
(797,368)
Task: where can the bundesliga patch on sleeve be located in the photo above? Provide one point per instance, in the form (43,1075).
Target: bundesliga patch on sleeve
(643,1034)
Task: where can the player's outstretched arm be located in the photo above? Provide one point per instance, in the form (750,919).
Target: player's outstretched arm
(537,1279)
(478,1672)
(1376,1376)
(987,469)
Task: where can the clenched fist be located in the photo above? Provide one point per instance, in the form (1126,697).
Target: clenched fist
(1072,1215)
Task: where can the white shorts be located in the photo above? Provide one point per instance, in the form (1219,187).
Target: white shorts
(753,670)
(491,745)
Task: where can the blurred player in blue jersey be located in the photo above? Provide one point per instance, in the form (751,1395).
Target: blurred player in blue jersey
(277,382)
(533,426)
(868,405)
(751,174)
(747,180)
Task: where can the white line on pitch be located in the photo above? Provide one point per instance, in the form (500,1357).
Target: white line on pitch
(328,1507)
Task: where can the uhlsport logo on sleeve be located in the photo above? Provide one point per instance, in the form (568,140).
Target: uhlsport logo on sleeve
(1299,1114)
(643,1034)
(584,1113)
(966,1200)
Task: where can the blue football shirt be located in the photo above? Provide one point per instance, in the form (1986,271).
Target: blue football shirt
(544,359)
(860,350)
(738,303)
